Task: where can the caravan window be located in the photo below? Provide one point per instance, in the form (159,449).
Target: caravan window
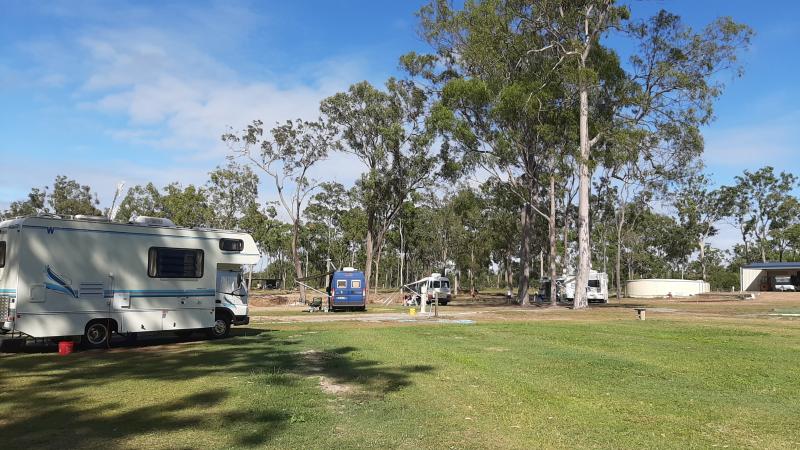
(165,262)
(2,254)
(231,245)
(594,283)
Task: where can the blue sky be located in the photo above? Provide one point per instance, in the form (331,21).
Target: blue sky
(141,91)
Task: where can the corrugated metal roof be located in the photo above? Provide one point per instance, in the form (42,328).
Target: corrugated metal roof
(773,265)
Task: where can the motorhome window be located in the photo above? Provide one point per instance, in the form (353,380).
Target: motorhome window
(2,253)
(166,262)
(341,284)
(436,284)
(355,284)
(594,283)
(231,245)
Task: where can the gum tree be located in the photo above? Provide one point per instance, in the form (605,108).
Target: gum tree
(385,130)
(286,155)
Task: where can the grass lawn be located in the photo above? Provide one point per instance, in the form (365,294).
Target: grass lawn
(671,383)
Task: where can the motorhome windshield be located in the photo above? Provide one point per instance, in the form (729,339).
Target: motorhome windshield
(441,284)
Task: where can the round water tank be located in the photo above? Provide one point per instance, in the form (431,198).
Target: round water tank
(665,287)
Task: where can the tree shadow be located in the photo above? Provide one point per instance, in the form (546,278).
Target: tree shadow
(58,400)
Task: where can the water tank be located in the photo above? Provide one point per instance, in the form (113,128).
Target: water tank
(665,287)
(148,221)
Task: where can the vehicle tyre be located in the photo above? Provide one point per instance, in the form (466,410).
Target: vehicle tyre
(96,335)
(221,328)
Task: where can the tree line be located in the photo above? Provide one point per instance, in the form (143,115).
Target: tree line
(535,137)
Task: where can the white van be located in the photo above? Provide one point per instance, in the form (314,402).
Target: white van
(596,290)
(89,277)
(429,288)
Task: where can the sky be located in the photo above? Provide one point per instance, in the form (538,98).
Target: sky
(110,91)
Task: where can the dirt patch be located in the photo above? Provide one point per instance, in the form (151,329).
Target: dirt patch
(314,361)
(268,300)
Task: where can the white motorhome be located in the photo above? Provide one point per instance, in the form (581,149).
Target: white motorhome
(429,288)
(89,277)
(596,291)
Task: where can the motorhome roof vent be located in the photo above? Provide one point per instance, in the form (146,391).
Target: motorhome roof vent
(92,218)
(148,221)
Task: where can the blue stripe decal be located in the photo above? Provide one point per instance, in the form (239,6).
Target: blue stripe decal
(63,287)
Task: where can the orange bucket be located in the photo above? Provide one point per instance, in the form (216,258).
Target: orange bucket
(65,347)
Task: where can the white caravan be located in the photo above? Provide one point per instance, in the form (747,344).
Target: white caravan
(596,291)
(426,289)
(89,277)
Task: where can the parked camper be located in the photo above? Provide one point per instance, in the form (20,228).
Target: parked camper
(596,290)
(784,284)
(90,277)
(428,288)
(347,289)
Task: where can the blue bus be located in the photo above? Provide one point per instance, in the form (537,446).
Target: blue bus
(347,290)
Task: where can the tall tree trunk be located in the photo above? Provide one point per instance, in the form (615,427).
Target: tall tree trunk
(298,269)
(565,259)
(509,274)
(618,259)
(368,263)
(471,274)
(377,267)
(551,226)
(584,251)
(703,256)
(524,256)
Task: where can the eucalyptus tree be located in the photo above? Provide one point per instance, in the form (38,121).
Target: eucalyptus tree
(232,190)
(761,202)
(141,201)
(469,208)
(66,197)
(673,81)
(500,107)
(286,155)
(34,204)
(186,206)
(699,209)
(385,130)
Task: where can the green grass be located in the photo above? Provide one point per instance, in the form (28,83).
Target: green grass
(553,384)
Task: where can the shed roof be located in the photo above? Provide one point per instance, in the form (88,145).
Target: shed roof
(773,265)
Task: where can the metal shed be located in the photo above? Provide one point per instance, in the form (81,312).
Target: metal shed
(761,276)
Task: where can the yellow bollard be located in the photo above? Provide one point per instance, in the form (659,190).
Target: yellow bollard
(412,312)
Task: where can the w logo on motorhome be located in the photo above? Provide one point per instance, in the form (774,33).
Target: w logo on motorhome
(50,230)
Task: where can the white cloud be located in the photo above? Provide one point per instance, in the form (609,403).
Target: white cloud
(175,96)
(755,144)
(169,87)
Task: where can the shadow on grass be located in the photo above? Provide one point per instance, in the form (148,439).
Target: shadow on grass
(51,407)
